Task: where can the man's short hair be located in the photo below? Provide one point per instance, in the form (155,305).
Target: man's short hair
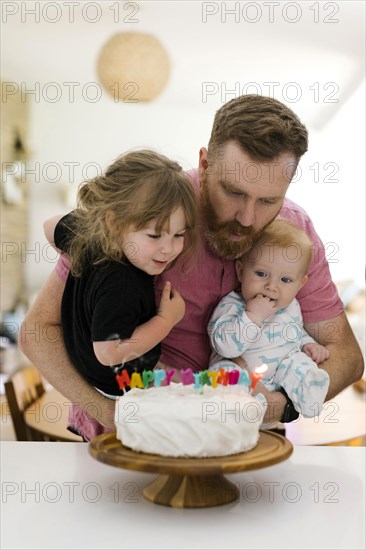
(263,127)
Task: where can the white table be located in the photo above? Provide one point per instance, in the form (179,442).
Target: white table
(342,419)
(55,495)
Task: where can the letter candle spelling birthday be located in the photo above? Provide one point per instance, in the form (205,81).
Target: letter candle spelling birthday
(205,377)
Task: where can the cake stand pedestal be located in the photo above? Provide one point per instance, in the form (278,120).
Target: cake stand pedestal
(191,482)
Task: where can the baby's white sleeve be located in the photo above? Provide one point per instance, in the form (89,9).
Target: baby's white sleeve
(230,330)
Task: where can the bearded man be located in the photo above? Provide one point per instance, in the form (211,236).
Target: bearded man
(241,183)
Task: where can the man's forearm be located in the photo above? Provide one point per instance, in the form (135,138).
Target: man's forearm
(342,367)
(41,340)
(345,364)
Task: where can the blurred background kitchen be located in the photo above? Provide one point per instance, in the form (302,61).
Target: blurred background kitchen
(82,82)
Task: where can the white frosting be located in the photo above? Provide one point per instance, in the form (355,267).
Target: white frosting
(182,421)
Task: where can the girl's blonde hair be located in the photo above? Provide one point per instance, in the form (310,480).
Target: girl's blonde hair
(137,188)
(283,234)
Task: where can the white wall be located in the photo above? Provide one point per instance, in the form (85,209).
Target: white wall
(324,47)
(94,134)
(337,207)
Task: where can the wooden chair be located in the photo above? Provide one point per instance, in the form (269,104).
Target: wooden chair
(22,390)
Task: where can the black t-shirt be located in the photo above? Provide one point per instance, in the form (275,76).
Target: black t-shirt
(107,302)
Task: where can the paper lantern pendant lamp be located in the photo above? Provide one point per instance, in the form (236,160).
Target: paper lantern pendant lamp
(133,67)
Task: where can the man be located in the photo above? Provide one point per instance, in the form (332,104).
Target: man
(255,146)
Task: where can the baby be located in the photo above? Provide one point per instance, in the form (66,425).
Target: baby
(262,321)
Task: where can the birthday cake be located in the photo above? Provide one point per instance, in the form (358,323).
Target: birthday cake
(189,420)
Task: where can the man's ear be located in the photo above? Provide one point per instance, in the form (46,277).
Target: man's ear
(239,269)
(203,164)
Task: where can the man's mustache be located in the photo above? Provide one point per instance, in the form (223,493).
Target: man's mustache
(236,228)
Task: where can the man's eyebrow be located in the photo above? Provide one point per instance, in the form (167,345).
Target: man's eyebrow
(232,187)
(229,185)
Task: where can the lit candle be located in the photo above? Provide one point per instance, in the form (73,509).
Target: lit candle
(257,375)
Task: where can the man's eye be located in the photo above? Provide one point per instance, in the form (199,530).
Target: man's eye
(267,201)
(233,193)
(286,280)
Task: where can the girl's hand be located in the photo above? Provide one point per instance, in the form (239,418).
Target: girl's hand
(172,306)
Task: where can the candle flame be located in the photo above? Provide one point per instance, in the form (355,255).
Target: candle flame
(261,369)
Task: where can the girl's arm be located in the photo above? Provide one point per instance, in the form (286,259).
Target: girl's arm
(49,230)
(146,336)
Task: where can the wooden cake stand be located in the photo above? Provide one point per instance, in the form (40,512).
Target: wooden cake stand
(191,482)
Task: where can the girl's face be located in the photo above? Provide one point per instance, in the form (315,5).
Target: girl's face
(151,251)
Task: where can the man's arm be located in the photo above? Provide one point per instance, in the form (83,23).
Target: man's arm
(49,230)
(41,340)
(345,364)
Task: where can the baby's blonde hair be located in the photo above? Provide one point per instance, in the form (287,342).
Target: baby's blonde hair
(137,188)
(283,234)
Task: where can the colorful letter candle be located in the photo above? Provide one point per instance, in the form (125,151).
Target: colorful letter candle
(233,377)
(257,375)
(169,376)
(224,377)
(244,378)
(213,376)
(136,380)
(187,377)
(147,377)
(197,383)
(123,379)
(159,376)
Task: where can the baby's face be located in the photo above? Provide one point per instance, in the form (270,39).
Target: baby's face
(270,271)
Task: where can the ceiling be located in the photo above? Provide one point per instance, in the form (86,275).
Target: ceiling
(307,53)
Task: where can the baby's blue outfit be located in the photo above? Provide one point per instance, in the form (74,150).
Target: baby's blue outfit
(278,343)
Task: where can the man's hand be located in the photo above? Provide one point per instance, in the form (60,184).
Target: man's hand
(276,402)
(316,352)
(345,364)
(107,414)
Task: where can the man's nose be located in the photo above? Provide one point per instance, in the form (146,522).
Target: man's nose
(245,215)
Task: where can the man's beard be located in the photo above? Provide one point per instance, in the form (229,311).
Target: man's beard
(218,233)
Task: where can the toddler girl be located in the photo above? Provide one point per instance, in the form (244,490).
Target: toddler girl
(130,225)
